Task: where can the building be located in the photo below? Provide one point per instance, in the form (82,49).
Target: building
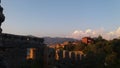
(87,40)
(16,49)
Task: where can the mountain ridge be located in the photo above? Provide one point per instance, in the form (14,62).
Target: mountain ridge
(54,40)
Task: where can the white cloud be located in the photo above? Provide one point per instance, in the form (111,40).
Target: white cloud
(78,34)
(118,31)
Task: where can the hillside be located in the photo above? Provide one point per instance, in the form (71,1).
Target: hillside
(50,40)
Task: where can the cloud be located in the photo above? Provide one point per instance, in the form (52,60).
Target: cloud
(78,34)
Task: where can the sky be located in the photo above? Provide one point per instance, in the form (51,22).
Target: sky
(62,18)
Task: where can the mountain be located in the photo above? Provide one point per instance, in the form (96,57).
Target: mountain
(50,40)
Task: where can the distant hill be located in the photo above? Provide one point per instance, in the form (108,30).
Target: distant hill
(49,40)
(54,40)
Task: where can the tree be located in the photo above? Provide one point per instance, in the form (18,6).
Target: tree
(69,47)
(79,47)
(99,39)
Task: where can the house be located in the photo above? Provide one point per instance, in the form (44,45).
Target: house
(87,40)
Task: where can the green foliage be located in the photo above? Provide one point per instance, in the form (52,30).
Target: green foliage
(73,47)
(79,47)
(101,54)
(99,39)
(105,53)
(110,58)
(69,47)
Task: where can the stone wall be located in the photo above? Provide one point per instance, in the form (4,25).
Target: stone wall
(13,57)
(16,57)
(69,55)
(13,49)
(49,57)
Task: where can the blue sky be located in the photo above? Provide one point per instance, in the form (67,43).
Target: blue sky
(59,17)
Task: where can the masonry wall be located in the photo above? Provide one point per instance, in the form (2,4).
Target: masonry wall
(13,57)
(69,55)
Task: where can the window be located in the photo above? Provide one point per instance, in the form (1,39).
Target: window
(30,53)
